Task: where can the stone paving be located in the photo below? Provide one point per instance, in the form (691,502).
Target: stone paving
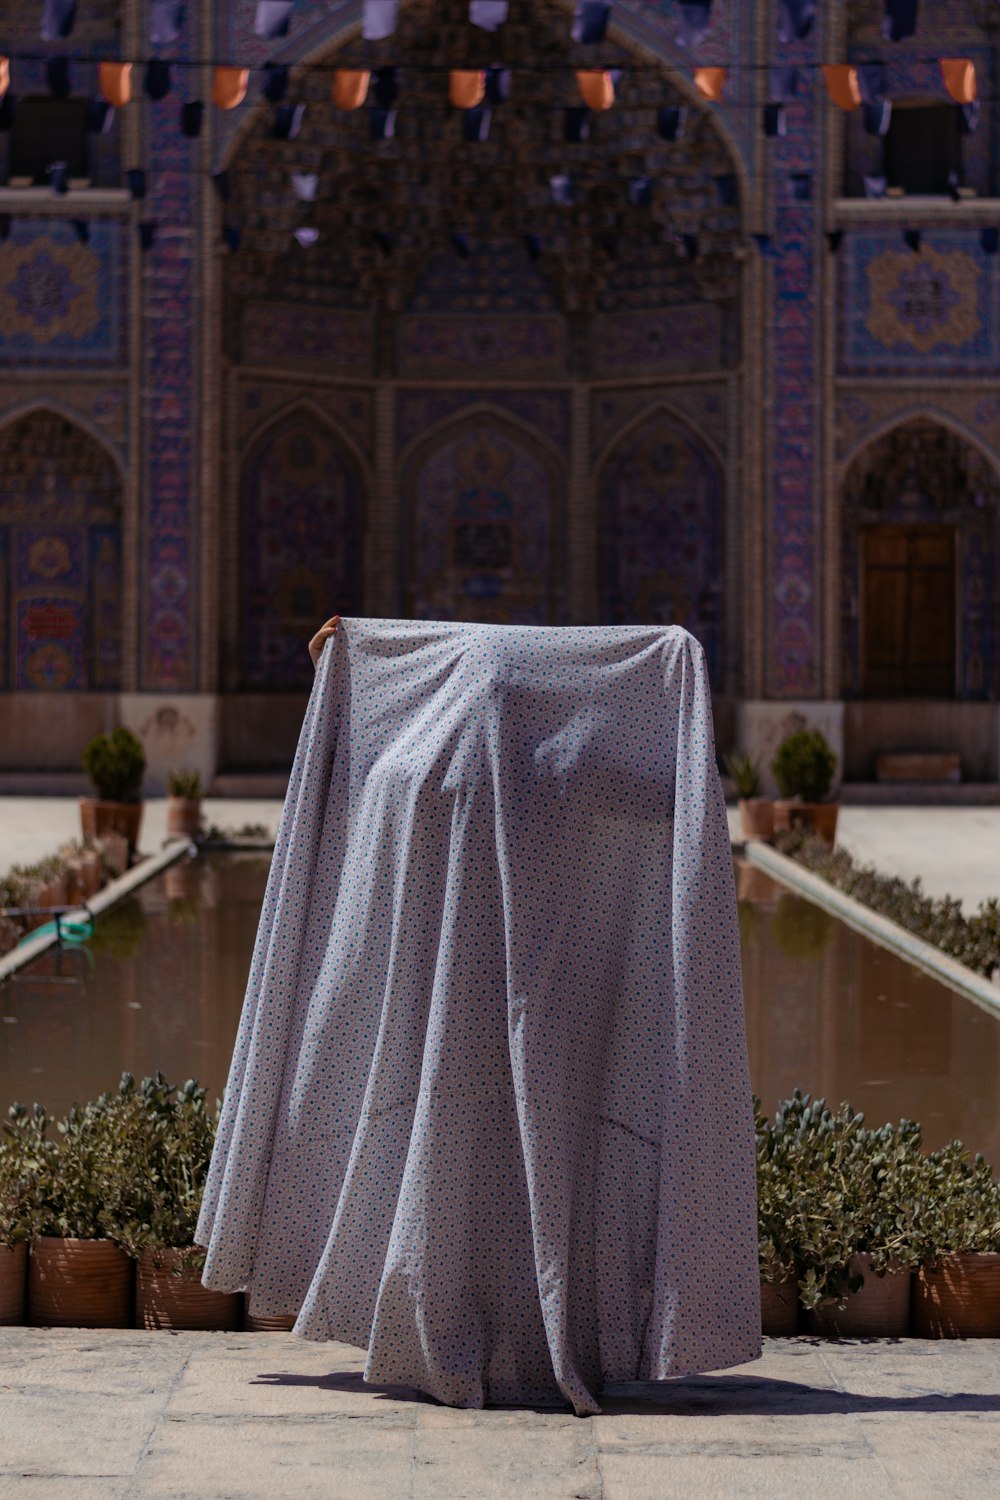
(107,1415)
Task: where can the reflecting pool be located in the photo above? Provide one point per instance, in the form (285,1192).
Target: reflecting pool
(161,986)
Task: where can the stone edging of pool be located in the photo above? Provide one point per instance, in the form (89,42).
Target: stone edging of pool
(109,895)
(879,929)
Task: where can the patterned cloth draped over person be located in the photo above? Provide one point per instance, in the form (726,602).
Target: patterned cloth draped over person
(489,1114)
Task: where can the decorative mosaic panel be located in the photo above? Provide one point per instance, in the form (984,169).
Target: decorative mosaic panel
(61,302)
(300,547)
(442,346)
(60,512)
(793,655)
(933,311)
(288,337)
(547,411)
(497,275)
(661,534)
(171,383)
(483,535)
(657,341)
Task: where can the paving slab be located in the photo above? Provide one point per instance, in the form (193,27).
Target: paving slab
(136,1415)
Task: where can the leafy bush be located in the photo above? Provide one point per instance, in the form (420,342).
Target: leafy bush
(129,1167)
(830,1187)
(115,763)
(973,941)
(804,765)
(184,784)
(745,774)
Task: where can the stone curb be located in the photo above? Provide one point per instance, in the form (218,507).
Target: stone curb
(881,930)
(110,895)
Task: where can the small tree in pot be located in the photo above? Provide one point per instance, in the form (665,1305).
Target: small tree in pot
(77,1277)
(804,768)
(115,763)
(164,1140)
(957,1289)
(756,812)
(14,1230)
(183,804)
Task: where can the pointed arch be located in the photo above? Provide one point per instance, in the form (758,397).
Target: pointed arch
(303,492)
(61,496)
(483,532)
(661,525)
(920,534)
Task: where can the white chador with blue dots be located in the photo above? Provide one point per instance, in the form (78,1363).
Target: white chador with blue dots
(488,1114)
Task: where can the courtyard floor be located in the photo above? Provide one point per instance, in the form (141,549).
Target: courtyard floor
(107,1415)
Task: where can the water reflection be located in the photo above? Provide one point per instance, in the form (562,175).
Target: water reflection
(162,985)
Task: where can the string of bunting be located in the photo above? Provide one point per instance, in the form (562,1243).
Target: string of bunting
(849,86)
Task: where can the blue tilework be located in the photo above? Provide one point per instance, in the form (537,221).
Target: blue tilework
(489,1111)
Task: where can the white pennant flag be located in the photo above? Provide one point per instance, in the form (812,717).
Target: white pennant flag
(488,15)
(378,19)
(305,185)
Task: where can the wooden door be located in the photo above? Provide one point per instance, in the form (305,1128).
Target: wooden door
(908,611)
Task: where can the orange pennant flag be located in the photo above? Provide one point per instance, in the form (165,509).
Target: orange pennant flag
(959,74)
(229,87)
(597,88)
(842,85)
(4,75)
(710,82)
(115,82)
(350,87)
(466,90)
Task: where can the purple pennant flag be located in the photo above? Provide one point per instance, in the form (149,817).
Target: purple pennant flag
(911,239)
(872,82)
(58,18)
(381,123)
(590,21)
(497,85)
(783,84)
(775,120)
(273,18)
(670,122)
(378,19)
(305,185)
(563,190)
(57,174)
(801,184)
(157,81)
(147,234)
(81,228)
(476,124)
(576,123)
(900,20)
(192,114)
(989,240)
(165,22)
(275,82)
(488,15)
(306,235)
(968,117)
(640,192)
(795,19)
(695,21)
(287,121)
(878,116)
(875,186)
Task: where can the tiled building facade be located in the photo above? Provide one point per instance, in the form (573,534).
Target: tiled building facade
(717,388)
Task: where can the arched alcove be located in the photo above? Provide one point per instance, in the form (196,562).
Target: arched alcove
(483,529)
(920,516)
(661,550)
(60,557)
(301,519)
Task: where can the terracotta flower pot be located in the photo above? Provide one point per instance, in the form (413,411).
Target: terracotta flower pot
(779,1308)
(183,817)
(881,1309)
(958,1299)
(163,1300)
(13,1281)
(756,817)
(807,817)
(97,819)
(269,1323)
(74,1283)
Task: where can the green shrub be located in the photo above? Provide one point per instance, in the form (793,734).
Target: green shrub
(745,774)
(115,763)
(184,784)
(804,766)
(973,941)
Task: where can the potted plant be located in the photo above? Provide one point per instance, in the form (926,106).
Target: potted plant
(804,767)
(183,804)
(779,1300)
(115,763)
(756,812)
(164,1142)
(957,1288)
(77,1276)
(14,1231)
(43,885)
